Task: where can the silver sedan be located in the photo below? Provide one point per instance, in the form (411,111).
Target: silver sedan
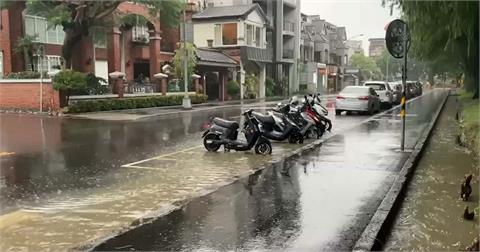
(357,98)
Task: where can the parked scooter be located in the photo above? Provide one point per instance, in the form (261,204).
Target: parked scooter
(318,113)
(297,113)
(276,126)
(224,132)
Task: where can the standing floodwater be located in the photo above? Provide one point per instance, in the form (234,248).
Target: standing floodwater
(431,214)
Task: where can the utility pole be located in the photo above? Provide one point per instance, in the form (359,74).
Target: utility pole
(186,99)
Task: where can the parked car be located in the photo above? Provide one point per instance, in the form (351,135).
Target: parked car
(357,98)
(418,88)
(383,90)
(396,90)
(410,91)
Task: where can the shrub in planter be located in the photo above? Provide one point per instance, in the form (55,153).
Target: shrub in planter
(233,89)
(25,75)
(131,103)
(69,82)
(270,87)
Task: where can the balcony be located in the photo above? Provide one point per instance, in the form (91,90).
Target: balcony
(288,28)
(257,54)
(287,54)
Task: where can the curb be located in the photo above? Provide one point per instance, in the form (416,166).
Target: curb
(373,237)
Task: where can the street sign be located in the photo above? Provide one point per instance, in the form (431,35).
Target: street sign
(397,31)
(397,38)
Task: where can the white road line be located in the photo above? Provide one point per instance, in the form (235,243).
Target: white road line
(161,156)
(142,167)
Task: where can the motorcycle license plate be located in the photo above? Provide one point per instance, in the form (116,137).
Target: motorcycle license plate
(209,141)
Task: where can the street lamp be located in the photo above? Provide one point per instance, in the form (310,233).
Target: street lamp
(186,99)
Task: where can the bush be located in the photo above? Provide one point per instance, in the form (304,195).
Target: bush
(270,87)
(131,103)
(70,81)
(251,84)
(25,75)
(233,88)
(95,85)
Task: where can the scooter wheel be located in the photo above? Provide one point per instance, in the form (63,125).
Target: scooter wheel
(312,133)
(295,138)
(209,144)
(263,148)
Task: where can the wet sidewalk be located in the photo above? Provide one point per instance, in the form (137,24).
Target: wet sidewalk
(365,156)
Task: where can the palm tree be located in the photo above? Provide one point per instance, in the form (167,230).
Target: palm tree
(27,45)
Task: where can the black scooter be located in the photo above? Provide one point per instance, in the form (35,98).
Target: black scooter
(223,132)
(276,126)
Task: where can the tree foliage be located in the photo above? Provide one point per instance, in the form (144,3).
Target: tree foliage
(27,45)
(78,17)
(178,60)
(445,32)
(367,66)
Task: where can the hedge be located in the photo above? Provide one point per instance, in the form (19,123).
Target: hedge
(130,103)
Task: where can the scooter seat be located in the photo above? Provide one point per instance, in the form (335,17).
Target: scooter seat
(225,123)
(264,118)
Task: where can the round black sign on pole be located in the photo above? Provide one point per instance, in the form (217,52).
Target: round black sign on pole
(394,38)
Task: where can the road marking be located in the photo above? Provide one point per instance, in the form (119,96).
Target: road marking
(161,156)
(5,153)
(143,167)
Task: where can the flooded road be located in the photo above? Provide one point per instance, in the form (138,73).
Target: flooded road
(320,201)
(67,182)
(431,214)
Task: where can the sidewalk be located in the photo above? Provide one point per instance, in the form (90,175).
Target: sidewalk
(143,113)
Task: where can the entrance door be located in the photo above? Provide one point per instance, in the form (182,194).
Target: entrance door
(212,85)
(141,68)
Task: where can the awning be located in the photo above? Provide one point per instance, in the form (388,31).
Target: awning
(214,58)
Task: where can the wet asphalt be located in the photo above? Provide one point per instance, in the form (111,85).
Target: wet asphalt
(321,200)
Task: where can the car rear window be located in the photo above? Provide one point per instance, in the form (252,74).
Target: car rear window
(376,86)
(355,90)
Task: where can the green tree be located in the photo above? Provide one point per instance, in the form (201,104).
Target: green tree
(78,17)
(367,66)
(191,63)
(27,45)
(445,30)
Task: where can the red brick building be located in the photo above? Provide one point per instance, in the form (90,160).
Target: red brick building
(139,50)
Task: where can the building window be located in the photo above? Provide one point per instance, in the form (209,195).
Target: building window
(258,36)
(38,26)
(140,34)
(229,34)
(225,34)
(50,62)
(249,34)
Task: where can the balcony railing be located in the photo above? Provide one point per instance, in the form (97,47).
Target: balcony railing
(287,54)
(289,26)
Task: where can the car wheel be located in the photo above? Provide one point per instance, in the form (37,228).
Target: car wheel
(338,112)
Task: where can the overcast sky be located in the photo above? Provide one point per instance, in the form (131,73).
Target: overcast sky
(366,17)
